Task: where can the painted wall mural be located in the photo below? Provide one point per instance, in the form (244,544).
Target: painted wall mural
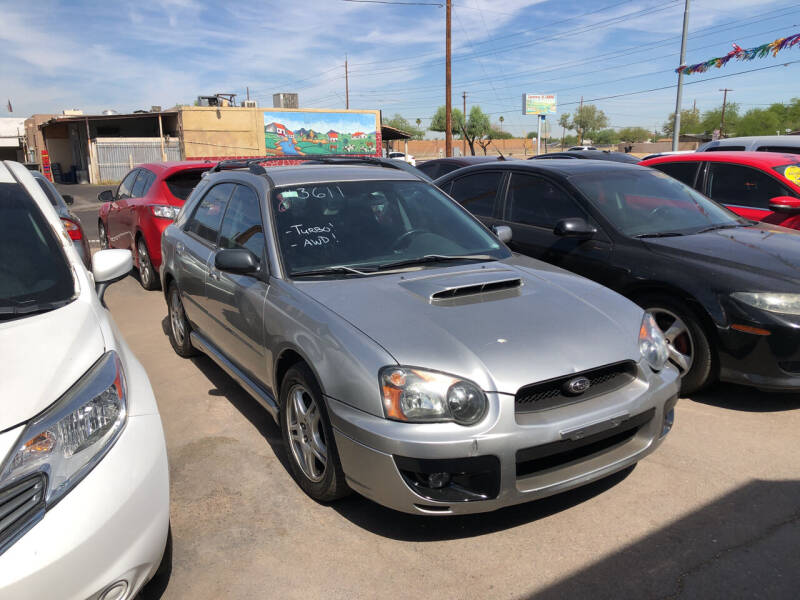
(313,132)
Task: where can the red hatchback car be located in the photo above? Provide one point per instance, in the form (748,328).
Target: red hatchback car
(145,203)
(762,186)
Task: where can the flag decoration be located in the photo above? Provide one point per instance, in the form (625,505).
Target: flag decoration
(742,54)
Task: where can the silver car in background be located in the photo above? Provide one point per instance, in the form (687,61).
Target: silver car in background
(406,353)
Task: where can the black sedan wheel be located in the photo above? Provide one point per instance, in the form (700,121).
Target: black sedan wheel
(689,349)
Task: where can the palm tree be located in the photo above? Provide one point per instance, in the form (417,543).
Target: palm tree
(501,122)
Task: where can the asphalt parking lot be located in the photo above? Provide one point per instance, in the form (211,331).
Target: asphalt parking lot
(714,513)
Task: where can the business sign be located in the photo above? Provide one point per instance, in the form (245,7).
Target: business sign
(538,104)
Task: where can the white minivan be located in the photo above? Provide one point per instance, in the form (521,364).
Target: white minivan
(84,483)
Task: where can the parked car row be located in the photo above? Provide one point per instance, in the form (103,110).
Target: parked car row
(512,330)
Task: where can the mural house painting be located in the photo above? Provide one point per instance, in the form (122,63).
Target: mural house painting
(308,132)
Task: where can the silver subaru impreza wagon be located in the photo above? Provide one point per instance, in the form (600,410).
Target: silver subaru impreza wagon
(406,353)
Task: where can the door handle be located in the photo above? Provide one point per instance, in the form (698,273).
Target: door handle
(214,274)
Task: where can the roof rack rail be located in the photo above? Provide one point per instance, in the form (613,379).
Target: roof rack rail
(255,164)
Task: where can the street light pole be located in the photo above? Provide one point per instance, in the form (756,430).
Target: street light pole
(676,122)
(448,126)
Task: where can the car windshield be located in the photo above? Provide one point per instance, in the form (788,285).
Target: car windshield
(646,202)
(369,224)
(34,274)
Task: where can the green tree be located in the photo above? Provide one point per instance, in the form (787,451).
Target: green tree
(587,120)
(531,135)
(403,124)
(690,122)
(606,137)
(634,134)
(500,134)
(439,120)
(476,127)
(711,119)
(566,123)
(757,121)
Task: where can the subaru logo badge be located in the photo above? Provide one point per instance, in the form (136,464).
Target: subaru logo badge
(576,386)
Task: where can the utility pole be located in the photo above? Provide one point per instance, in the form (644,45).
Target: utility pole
(448,107)
(464,141)
(722,116)
(248,93)
(580,116)
(676,122)
(346,85)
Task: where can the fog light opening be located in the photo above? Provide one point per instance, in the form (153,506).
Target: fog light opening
(437,481)
(115,591)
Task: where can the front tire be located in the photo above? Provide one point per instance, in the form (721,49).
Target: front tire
(179,328)
(147,274)
(102,235)
(689,349)
(307,434)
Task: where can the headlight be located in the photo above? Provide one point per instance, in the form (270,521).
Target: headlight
(788,304)
(652,343)
(165,212)
(411,394)
(69,438)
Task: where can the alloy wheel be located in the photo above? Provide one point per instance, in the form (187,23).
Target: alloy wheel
(101,230)
(306,433)
(176,318)
(145,267)
(679,340)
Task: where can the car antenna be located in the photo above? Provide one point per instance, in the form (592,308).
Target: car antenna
(498,151)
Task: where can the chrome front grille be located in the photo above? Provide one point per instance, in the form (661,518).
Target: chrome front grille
(21,505)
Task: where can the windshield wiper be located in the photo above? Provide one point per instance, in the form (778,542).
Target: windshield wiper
(429,258)
(715,227)
(659,234)
(25,309)
(340,269)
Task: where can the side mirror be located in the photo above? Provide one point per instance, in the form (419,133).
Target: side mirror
(785,204)
(574,227)
(105,196)
(110,266)
(68,199)
(503,233)
(236,260)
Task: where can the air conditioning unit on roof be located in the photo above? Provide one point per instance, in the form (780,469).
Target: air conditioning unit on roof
(249,104)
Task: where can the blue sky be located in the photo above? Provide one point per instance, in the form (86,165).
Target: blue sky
(96,55)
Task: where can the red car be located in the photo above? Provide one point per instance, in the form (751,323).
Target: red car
(145,203)
(763,186)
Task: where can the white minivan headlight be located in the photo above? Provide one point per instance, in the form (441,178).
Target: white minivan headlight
(418,395)
(67,440)
(787,304)
(652,343)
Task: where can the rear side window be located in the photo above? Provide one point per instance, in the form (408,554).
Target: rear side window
(477,192)
(34,274)
(431,169)
(47,192)
(725,149)
(242,226)
(742,186)
(182,183)
(205,220)
(788,149)
(124,189)
(682,171)
(143,183)
(535,201)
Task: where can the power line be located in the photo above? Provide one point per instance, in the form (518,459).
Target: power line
(439,4)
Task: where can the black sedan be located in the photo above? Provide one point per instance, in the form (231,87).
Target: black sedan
(590,155)
(439,167)
(725,290)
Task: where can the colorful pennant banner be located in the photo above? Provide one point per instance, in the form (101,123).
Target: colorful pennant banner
(742,54)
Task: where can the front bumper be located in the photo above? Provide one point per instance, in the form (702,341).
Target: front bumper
(111,527)
(770,362)
(377,454)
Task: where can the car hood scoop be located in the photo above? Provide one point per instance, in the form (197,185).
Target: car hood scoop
(446,288)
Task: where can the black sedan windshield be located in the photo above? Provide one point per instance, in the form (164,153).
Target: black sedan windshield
(647,202)
(369,224)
